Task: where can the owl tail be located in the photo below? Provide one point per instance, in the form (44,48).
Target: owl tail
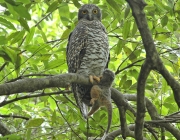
(84,111)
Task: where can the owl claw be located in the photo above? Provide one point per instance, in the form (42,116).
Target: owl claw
(94,78)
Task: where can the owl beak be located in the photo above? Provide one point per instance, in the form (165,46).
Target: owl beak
(90,17)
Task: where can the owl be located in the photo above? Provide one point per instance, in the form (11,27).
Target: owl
(87,52)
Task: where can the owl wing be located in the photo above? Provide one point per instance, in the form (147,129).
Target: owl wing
(76,50)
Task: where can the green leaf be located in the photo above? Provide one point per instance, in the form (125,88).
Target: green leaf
(11,2)
(76,3)
(10,54)
(43,36)
(52,104)
(175,26)
(64,13)
(12,11)
(24,1)
(7,23)
(119,47)
(113,4)
(65,34)
(23,23)
(17,64)
(17,36)
(164,21)
(127,11)
(30,35)
(126,29)
(134,29)
(28,134)
(165,86)
(127,84)
(34,122)
(127,51)
(53,118)
(64,10)
(11,137)
(22,11)
(3,40)
(52,64)
(52,7)
(123,79)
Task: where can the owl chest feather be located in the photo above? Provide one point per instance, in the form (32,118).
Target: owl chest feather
(96,50)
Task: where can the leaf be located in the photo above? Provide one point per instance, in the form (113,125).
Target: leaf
(3,40)
(119,47)
(11,2)
(24,1)
(52,7)
(17,64)
(76,3)
(7,23)
(122,80)
(164,21)
(24,23)
(113,4)
(11,10)
(28,134)
(64,13)
(126,29)
(64,10)
(22,11)
(134,29)
(34,122)
(175,26)
(127,11)
(11,137)
(65,34)
(52,64)
(43,36)
(127,51)
(10,54)
(30,35)
(165,86)
(53,118)
(17,36)
(127,84)
(52,104)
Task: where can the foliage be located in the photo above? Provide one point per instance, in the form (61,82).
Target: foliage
(33,42)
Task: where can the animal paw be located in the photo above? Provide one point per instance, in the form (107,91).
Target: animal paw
(93,78)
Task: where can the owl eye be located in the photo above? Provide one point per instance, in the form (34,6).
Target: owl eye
(84,12)
(95,11)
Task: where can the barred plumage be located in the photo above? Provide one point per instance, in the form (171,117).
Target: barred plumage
(87,51)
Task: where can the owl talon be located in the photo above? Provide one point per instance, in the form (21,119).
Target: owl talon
(94,78)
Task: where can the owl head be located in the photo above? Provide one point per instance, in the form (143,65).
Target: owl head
(89,12)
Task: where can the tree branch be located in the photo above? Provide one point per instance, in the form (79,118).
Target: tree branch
(30,85)
(153,61)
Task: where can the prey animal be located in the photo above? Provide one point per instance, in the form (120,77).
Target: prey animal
(101,96)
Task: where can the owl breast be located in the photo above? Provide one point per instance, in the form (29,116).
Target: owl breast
(96,50)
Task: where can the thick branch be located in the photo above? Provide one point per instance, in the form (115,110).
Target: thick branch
(151,52)
(153,61)
(30,85)
(145,70)
(155,116)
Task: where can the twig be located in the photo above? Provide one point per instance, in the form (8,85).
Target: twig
(65,118)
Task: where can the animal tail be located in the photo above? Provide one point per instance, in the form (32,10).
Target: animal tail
(109,110)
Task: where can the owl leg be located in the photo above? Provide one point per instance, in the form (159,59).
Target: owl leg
(96,78)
